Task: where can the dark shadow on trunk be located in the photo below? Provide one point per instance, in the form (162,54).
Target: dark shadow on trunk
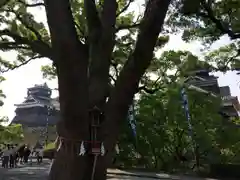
(76,167)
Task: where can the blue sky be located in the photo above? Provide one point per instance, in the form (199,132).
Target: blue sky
(15,87)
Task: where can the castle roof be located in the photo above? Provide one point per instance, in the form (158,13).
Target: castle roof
(38,108)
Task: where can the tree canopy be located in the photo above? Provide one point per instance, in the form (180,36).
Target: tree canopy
(12,134)
(208,23)
(163,140)
(103,53)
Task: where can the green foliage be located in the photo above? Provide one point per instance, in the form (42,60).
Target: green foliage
(11,134)
(50,146)
(208,21)
(226,57)
(163,137)
(202,21)
(2,95)
(31,38)
(49,71)
(163,134)
(22,33)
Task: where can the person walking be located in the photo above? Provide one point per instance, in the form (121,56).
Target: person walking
(26,154)
(21,151)
(15,155)
(11,157)
(39,156)
(6,154)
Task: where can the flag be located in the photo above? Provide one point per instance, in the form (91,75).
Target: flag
(132,120)
(186,109)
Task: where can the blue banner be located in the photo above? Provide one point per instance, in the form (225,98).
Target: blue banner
(186,109)
(132,120)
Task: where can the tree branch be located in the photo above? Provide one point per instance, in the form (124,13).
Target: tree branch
(124,8)
(71,60)
(114,65)
(3,3)
(30,27)
(124,27)
(112,78)
(150,91)
(21,64)
(101,54)
(30,5)
(37,46)
(93,20)
(109,15)
(138,62)
(136,24)
(59,13)
(147,90)
(230,60)
(223,28)
(11,46)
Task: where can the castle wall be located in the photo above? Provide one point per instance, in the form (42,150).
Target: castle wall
(32,135)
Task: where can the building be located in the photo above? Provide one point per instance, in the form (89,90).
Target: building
(38,115)
(230,104)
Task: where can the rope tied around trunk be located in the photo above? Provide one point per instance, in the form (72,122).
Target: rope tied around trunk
(81,149)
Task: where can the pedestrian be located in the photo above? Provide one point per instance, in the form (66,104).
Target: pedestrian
(21,151)
(15,155)
(26,154)
(6,154)
(11,157)
(39,156)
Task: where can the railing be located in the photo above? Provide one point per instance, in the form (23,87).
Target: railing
(207,82)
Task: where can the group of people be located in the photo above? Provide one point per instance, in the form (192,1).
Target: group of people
(9,156)
(12,154)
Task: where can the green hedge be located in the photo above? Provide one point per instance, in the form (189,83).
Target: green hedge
(49,146)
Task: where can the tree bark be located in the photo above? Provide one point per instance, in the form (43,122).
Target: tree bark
(69,165)
(71,59)
(128,80)
(83,80)
(101,43)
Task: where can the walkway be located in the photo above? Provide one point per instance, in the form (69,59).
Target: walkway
(36,172)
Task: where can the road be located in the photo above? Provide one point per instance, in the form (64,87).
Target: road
(39,172)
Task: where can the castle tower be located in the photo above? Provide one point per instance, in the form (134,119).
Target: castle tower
(38,115)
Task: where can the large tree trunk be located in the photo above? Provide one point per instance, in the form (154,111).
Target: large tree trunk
(69,165)
(83,81)
(74,167)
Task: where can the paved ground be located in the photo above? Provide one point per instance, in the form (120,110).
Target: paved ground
(25,172)
(39,172)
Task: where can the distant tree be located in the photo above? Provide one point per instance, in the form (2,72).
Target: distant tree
(208,21)
(11,134)
(163,139)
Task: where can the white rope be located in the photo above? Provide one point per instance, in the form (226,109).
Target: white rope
(102,150)
(82,150)
(59,145)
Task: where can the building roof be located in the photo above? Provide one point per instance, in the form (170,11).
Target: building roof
(33,120)
(209,83)
(39,98)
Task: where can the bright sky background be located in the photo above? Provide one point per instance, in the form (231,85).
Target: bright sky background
(15,87)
